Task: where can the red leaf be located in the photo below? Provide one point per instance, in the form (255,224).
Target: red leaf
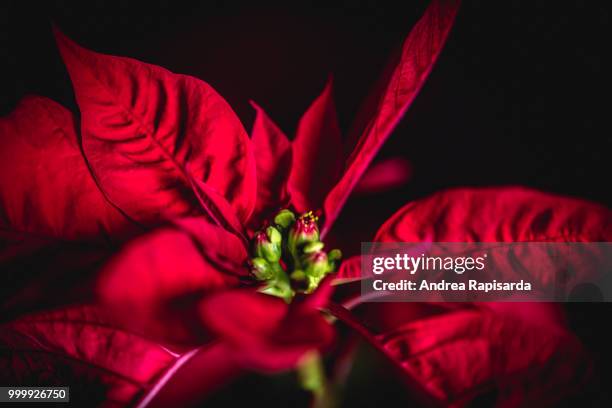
(509,214)
(457,356)
(523,350)
(103,365)
(264,332)
(462,354)
(201,373)
(149,134)
(273,157)
(419,54)
(79,347)
(46,189)
(317,154)
(155,282)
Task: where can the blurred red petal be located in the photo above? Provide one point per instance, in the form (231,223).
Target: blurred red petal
(154,284)
(191,381)
(148,133)
(462,354)
(386,175)
(264,332)
(317,153)
(419,53)
(273,158)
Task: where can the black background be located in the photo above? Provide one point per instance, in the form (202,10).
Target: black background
(520,95)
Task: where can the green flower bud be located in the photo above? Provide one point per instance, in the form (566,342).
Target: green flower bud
(274,236)
(279,286)
(303,231)
(313,247)
(304,262)
(261,269)
(268,244)
(317,264)
(281,291)
(284,219)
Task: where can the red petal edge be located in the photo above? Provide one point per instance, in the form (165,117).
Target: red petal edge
(264,332)
(154,284)
(386,175)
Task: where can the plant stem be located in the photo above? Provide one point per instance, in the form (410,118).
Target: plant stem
(311,375)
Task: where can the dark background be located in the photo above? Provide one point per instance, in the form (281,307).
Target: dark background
(520,95)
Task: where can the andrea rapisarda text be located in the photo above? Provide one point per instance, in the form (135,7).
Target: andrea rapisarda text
(472,285)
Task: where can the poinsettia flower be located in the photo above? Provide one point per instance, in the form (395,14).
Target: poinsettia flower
(160,165)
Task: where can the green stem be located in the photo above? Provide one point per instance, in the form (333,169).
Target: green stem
(311,375)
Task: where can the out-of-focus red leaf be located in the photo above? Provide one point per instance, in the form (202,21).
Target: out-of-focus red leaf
(419,53)
(46,188)
(387,175)
(148,133)
(39,273)
(506,214)
(472,353)
(80,348)
(317,153)
(272,152)
(462,354)
(154,284)
(522,352)
(203,372)
(264,332)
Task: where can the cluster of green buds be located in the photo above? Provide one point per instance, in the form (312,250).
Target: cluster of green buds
(288,255)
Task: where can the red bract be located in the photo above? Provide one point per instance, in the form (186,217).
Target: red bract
(160,277)
(162,166)
(79,346)
(273,157)
(271,336)
(501,348)
(39,153)
(158,136)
